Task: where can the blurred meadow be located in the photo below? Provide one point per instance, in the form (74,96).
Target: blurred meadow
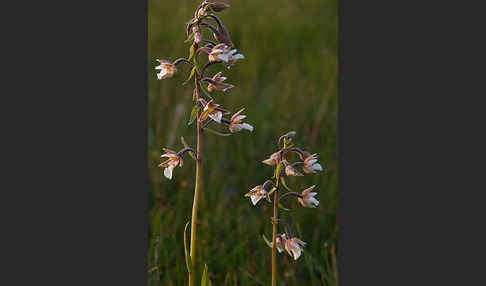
(287,81)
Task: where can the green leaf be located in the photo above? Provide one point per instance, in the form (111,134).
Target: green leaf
(278,168)
(284,184)
(187,146)
(217,133)
(205,277)
(190,76)
(194,112)
(188,257)
(268,242)
(191,52)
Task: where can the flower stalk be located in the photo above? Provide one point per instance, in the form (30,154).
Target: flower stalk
(206,111)
(197,189)
(285,241)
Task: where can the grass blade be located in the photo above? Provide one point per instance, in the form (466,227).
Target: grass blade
(188,258)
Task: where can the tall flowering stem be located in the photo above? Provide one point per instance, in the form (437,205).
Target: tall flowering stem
(197,189)
(206,110)
(286,241)
(274,233)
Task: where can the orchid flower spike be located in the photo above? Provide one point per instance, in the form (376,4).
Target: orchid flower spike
(293,247)
(222,53)
(236,124)
(273,160)
(256,194)
(167,69)
(218,84)
(307,200)
(311,165)
(171,163)
(213,111)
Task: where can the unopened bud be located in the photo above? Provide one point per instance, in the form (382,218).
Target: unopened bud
(218,6)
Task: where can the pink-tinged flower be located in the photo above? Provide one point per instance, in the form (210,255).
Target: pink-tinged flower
(290,170)
(171,163)
(222,53)
(213,111)
(167,69)
(311,165)
(280,241)
(273,160)
(293,247)
(236,123)
(256,194)
(308,200)
(218,84)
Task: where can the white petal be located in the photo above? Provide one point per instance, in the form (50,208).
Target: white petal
(223,57)
(168,172)
(297,253)
(238,56)
(169,155)
(239,117)
(314,201)
(317,167)
(159,67)
(255,199)
(162,74)
(247,127)
(216,116)
(311,162)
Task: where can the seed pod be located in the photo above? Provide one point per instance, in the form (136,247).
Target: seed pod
(218,6)
(197,36)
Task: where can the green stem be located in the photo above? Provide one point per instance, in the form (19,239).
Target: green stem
(274,234)
(197,190)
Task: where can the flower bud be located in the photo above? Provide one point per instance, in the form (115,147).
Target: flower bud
(218,6)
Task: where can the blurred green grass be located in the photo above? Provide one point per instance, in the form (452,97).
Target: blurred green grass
(287,81)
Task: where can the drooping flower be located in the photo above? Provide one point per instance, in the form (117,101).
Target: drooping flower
(293,247)
(171,163)
(273,160)
(212,110)
(218,84)
(311,165)
(308,200)
(280,241)
(236,123)
(290,170)
(256,194)
(222,53)
(167,69)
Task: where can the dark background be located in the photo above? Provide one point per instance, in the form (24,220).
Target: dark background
(74,145)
